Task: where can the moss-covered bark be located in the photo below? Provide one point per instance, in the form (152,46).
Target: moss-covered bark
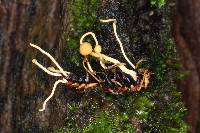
(145,33)
(57,26)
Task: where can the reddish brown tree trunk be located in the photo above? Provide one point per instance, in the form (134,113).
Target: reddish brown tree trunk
(22,22)
(187,36)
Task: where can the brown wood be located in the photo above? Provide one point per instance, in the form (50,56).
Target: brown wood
(21,91)
(187,37)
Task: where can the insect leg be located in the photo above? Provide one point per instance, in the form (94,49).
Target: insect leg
(90,70)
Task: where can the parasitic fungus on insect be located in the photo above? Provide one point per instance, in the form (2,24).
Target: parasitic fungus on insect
(116,85)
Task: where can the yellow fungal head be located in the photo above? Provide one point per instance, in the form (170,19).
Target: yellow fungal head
(85,48)
(97,49)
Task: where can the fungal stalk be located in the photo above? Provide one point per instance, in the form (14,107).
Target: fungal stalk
(52,93)
(51,71)
(86,50)
(50,57)
(119,41)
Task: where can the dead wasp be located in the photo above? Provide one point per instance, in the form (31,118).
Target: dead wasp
(82,83)
(107,81)
(115,82)
(115,78)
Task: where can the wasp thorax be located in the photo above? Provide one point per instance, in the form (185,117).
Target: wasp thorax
(85,48)
(97,49)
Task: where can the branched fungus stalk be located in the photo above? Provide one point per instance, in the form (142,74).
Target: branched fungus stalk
(34,61)
(86,49)
(50,71)
(50,57)
(132,73)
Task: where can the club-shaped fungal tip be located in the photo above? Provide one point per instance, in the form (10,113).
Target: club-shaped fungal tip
(97,49)
(31,44)
(34,61)
(85,48)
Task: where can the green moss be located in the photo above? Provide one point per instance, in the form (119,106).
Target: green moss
(82,18)
(158,3)
(109,123)
(157,109)
(97,116)
(106,122)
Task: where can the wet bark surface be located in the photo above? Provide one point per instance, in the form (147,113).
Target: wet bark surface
(22,84)
(186,32)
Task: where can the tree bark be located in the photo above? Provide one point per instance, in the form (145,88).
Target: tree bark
(187,37)
(23,22)
(22,89)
